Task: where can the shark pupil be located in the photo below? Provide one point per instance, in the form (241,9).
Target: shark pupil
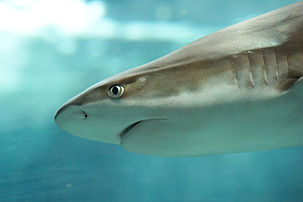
(115,90)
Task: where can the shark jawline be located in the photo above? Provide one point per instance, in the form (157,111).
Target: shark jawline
(128,128)
(131,126)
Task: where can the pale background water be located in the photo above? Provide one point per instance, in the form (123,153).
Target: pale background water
(50,50)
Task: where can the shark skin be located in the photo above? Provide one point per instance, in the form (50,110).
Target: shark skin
(236,90)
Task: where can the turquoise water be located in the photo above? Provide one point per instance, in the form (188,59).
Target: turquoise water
(52,50)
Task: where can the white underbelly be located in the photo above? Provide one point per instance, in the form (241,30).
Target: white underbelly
(236,127)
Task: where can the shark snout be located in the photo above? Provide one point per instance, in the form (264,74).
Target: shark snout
(70,118)
(85,122)
(68,112)
(68,108)
(60,111)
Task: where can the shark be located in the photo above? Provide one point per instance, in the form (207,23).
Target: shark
(239,89)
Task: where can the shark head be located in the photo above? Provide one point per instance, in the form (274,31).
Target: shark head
(155,109)
(111,108)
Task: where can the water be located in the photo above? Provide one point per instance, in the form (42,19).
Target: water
(52,50)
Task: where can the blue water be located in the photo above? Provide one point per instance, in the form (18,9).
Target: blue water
(50,57)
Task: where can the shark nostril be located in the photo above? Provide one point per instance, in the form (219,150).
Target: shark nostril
(85,114)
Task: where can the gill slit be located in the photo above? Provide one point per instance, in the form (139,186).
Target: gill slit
(265,74)
(287,64)
(276,65)
(234,70)
(251,79)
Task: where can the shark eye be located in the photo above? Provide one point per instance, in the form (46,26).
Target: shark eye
(115,91)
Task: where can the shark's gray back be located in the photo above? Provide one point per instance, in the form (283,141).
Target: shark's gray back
(264,51)
(279,28)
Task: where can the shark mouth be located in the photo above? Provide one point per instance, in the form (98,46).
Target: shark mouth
(131,126)
(128,128)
